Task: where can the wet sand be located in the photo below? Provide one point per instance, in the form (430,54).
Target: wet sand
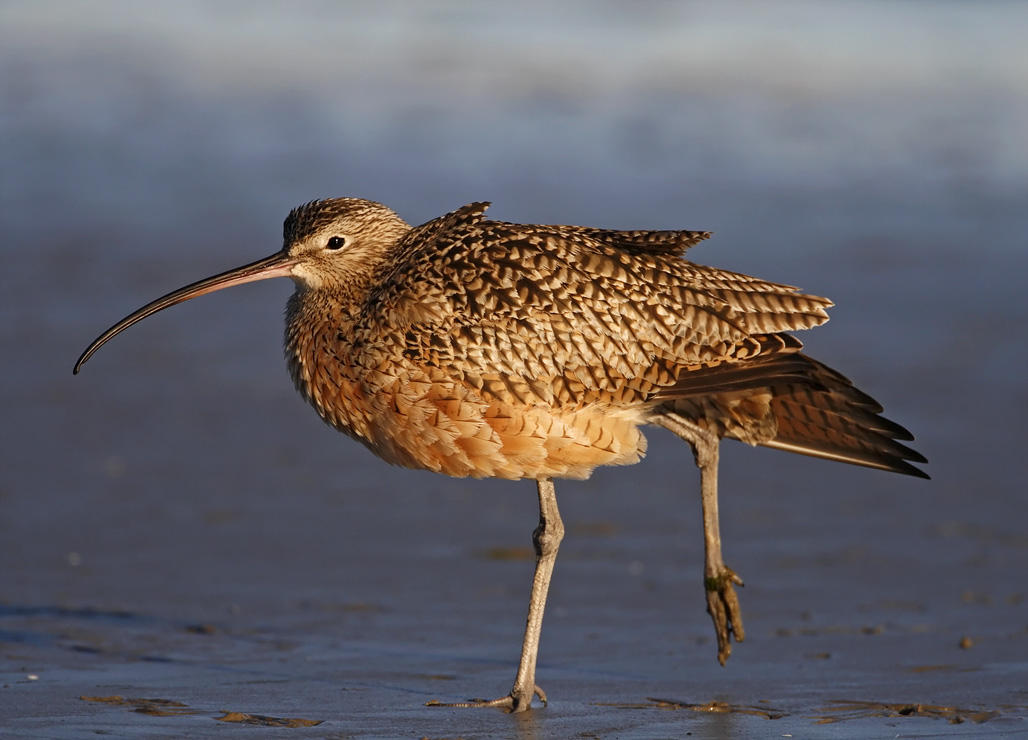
(185,550)
(343,615)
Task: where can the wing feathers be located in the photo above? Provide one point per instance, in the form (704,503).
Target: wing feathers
(566,317)
(813,410)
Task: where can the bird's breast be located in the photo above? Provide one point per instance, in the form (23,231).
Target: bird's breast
(417,415)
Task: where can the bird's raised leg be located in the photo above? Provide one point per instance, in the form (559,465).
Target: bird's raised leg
(719,580)
(546,538)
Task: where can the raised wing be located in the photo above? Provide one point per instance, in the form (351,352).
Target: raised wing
(674,243)
(555,314)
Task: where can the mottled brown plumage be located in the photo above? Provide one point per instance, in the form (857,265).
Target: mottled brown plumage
(481,348)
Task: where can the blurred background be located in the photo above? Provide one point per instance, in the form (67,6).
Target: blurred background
(871,152)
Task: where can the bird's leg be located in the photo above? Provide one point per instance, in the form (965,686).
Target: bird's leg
(719,580)
(546,538)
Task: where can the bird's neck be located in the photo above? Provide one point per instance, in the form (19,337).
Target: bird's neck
(331,308)
(323,359)
(319,350)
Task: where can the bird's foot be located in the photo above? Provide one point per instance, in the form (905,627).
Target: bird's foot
(509,703)
(723,607)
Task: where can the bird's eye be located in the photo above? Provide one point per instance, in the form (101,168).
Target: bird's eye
(336,242)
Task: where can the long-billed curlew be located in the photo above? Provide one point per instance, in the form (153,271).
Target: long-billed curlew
(488,349)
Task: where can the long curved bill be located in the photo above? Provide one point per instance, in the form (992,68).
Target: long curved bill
(277,265)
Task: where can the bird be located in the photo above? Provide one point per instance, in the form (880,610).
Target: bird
(479,348)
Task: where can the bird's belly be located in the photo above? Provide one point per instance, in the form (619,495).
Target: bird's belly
(428,421)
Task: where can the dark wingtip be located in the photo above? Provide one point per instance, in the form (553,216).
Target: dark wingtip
(906,468)
(916,457)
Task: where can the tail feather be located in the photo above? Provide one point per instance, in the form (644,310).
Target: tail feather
(828,424)
(801,406)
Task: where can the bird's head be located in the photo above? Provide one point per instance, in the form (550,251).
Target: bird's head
(331,241)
